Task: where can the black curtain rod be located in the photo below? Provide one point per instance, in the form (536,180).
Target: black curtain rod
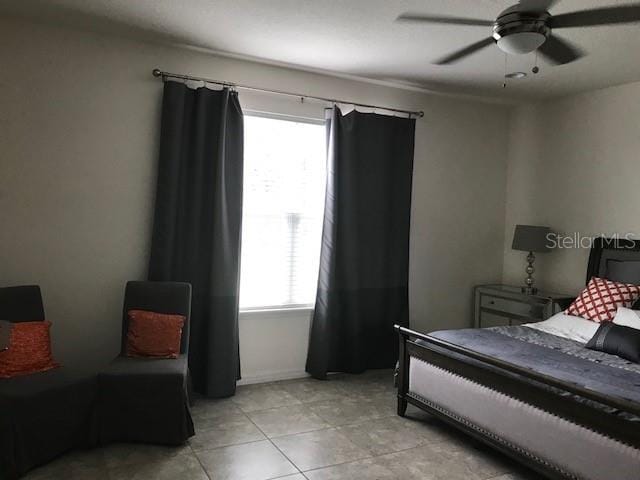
(164,75)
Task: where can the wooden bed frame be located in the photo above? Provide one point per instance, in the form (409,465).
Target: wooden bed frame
(539,390)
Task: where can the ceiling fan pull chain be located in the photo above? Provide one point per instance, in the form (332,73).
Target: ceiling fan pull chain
(504,78)
(535,68)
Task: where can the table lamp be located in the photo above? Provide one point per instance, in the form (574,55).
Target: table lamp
(532,239)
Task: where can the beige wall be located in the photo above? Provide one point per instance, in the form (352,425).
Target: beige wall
(79,117)
(573,165)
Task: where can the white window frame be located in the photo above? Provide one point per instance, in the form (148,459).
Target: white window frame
(283,116)
(302,307)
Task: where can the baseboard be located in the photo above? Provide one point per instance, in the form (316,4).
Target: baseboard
(272,377)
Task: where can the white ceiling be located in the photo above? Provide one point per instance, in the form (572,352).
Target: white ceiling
(360,37)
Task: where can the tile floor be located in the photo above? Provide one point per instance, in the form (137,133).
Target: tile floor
(343,428)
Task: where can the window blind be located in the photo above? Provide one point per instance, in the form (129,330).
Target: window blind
(283,205)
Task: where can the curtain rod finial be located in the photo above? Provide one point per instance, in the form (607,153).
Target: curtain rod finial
(156,72)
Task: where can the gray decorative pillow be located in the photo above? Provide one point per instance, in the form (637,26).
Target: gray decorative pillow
(5,332)
(617,340)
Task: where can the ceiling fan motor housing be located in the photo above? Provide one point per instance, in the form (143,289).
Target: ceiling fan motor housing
(526,27)
(518,32)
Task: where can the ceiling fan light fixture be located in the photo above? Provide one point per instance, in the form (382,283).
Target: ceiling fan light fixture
(521,42)
(526,27)
(515,75)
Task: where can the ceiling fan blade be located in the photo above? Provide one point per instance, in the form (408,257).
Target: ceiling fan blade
(537,5)
(560,51)
(409,17)
(463,52)
(597,16)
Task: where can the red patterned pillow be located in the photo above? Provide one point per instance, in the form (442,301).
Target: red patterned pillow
(601,299)
(153,334)
(29,350)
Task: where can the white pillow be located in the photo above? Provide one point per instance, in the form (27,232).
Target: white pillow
(568,326)
(627,317)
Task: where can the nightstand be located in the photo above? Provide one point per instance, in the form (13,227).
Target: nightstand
(506,305)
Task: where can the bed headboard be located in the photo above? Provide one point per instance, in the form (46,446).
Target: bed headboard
(615,259)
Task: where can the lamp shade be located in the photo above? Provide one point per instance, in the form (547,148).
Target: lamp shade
(531,238)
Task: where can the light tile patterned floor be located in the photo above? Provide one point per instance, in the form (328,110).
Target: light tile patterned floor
(342,428)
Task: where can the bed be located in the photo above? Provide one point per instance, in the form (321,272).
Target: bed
(563,410)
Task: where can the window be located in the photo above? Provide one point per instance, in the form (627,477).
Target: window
(283,205)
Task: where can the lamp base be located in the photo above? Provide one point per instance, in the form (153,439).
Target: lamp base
(529,289)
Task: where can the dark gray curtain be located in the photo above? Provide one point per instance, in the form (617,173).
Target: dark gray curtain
(362,286)
(197,227)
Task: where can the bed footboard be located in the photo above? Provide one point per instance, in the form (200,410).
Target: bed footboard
(530,395)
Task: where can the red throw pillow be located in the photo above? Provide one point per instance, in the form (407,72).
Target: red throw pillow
(29,350)
(600,300)
(154,334)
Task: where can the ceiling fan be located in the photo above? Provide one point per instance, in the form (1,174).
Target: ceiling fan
(528,26)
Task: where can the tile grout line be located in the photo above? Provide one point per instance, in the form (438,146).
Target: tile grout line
(302,403)
(200,462)
(241,413)
(330,426)
(278,449)
(370,457)
(266,437)
(227,446)
(374,456)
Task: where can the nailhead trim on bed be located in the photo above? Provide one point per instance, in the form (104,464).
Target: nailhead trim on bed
(586,427)
(487,433)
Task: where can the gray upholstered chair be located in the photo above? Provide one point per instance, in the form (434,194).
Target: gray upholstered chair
(146,399)
(45,414)
(21,304)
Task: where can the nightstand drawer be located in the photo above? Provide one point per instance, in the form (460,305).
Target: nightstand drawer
(512,307)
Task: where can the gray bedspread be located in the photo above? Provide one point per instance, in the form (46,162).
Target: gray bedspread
(552,355)
(564,345)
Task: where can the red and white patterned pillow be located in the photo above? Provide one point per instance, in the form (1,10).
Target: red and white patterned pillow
(600,300)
